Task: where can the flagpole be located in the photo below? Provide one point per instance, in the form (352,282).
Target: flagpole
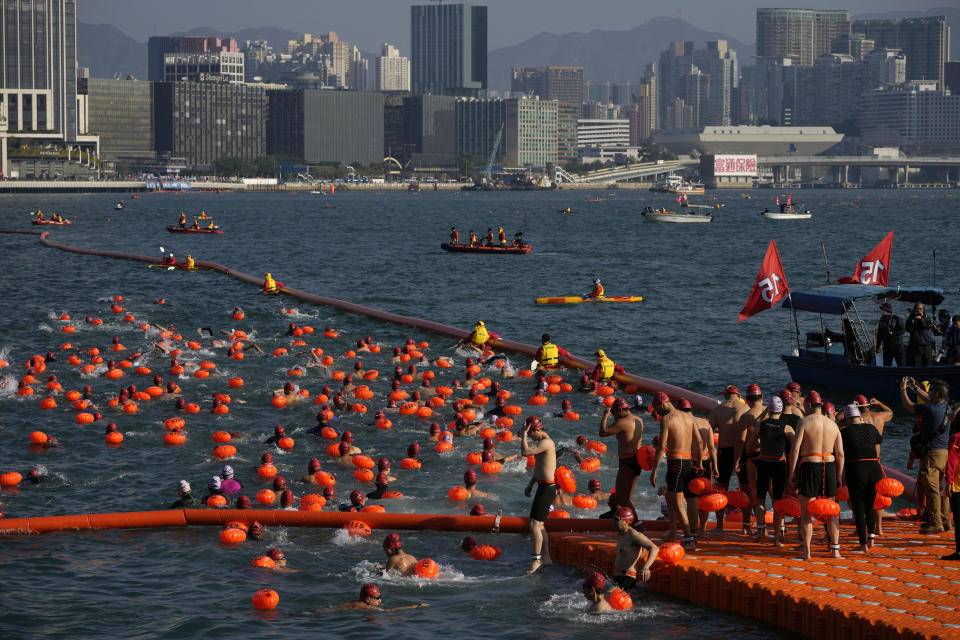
(796,325)
(826,265)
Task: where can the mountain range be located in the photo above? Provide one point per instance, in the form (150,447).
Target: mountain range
(604,54)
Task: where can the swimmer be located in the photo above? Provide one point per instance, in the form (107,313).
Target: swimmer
(255,532)
(678,437)
(397,559)
(773,437)
(596,491)
(383,466)
(470,483)
(228,483)
(630,547)
(370,599)
(629,431)
(287,499)
(593,588)
(477,339)
(705,468)
(413,449)
(279,432)
(347,436)
(745,458)
(214,488)
(382,486)
(238,313)
(357,502)
(545,465)
(312,467)
(343,458)
(186,499)
(725,421)
(243,502)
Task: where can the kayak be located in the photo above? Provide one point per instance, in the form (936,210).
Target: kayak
(466,248)
(65,223)
(171,267)
(578,299)
(188,230)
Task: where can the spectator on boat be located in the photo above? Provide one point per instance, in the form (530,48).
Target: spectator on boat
(921,329)
(518,239)
(454,236)
(951,342)
(489,237)
(502,236)
(890,332)
(473,238)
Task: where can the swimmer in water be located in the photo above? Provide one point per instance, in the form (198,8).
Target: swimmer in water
(357,502)
(593,588)
(279,432)
(369,600)
(312,467)
(630,547)
(397,559)
(470,483)
(227,483)
(382,486)
(347,436)
(383,466)
(186,499)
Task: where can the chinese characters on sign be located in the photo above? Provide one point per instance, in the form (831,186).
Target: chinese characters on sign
(725,165)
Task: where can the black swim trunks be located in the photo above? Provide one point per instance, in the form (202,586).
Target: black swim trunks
(696,472)
(630,462)
(772,474)
(725,467)
(818,479)
(546,494)
(625,582)
(679,474)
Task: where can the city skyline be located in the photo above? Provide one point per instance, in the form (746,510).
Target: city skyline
(370,23)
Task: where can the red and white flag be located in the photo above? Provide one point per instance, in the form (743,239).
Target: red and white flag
(769,287)
(873,268)
(790,200)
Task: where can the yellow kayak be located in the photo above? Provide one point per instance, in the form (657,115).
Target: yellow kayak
(578,299)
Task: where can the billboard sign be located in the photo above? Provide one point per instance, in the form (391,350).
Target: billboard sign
(730,165)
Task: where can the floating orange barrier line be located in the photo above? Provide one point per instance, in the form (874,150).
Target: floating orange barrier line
(900,590)
(275,518)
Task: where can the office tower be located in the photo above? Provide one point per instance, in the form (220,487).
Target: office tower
(925,42)
(567,115)
(951,76)
(530,134)
(212,66)
(393,70)
(121,113)
(696,87)
(803,35)
(448,49)
(478,122)
(549,83)
(38,41)
(158,47)
(915,116)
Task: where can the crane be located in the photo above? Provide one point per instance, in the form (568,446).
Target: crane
(493,153)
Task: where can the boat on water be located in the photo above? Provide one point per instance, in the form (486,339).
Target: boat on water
(847,359)
(120,206)
(479,248)
(662,215)
(63,223)
(173,229)
(786,211)
(578,299)
(688,188)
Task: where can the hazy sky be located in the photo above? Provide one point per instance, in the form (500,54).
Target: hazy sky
(367,23)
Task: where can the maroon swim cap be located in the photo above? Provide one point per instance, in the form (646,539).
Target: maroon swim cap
(313,466)
(279,483)
(369,590)
(111,427)
(383,463)
(392,541)
(621,403)
(488,443)
(487,455)
(266,458)
(279,430)
(434,428)
(346,436)
(470,476)
(582,440)
(468,543)
(275,554)
(243,502)
(413,449)
(478,510)
(683,404)
(381,480)
(533,422)
(357,497)
(329,493)
(625,514)
(593,485)
(595,581)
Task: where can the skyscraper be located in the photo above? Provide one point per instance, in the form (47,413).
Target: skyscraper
(448,44)
(803,35)
(549,83)
(924,41)
(393,70)
(38,43)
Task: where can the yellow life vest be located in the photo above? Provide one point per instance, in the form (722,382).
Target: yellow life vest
(269,284)
(606,368)
(597,291)
(190,263)
(549,354)
(480,335)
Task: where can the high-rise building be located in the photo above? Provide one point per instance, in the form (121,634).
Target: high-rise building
(427,133)
(884,66)
(448,49)
(158,47)
(951,76)
(696,87)
(213,66)
(121,113)
(924,41)
(567,116)
(203,122)
(803,35)
(531,132)
(548,83)
(915,116)
(478,122)
(38,43)
(393,70)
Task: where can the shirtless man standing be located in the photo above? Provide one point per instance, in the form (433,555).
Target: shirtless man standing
(706,468)
(817,446)
(630,547)
(678,437)
(629,431)
(874,412)
(725,421)
(397,559)
(544,453)
(746,457)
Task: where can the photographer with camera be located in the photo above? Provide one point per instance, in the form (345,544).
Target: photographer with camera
(921,329)
(929,445)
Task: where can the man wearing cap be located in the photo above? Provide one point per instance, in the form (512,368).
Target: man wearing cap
(629,431)
(725,421)
(382,484)
(593,590)
(862,471)
(705,468)
(816,468)
(630,547)
(186,499)
(397,559)
(678,438)
(874,412)
(478,338)
(934,417)
(921,329)
(369,599)
(544,454)
(771,438)
(605,369)
(470,484)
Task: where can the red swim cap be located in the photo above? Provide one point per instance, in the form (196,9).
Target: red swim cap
(595,581)
(392,541)
(243,502)
(489,443)
(478,510)
(279,430)
(313,466)
(279,483)
(487,455)
(286,498)
(275,554)
(661,398)
(470,476)
(266,458)
(383,463)
(468,543)
(533,422)
(754,390)
(620,403)
(369,590)
(346,436)
(625,514)
(357,497)
(813,397)
(413,449)
(682,404)
(381,480)
(344,448)
(582,440)
(593,485)
(329,493)
(434,428)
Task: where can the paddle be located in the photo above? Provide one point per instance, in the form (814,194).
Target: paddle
(161,259)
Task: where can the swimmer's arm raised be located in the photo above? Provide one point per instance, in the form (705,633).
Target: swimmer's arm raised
(607,431)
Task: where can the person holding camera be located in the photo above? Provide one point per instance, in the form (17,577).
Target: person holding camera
(921,329)
(890,336)
(929,445)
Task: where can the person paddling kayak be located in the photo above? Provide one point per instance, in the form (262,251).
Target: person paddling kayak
(597,290)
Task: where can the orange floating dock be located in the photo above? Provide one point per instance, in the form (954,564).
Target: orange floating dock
(900,590)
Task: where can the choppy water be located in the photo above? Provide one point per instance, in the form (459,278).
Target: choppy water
(382,250)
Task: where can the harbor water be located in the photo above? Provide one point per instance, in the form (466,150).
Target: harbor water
(383,251)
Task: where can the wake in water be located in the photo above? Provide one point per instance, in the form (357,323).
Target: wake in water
(367,571)
(573,607)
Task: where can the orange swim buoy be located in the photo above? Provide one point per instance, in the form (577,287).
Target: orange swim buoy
(711,501)
(738,499)
(619,599)
(10,479)
(558,513)
(265,562)
(324,479)
(266,471)
(279,401)
(565,480)
(312,499)
(363,475)
(224,451)
(410,463)
(265,599)
(457,493)
(485,552)
(645,457)
(384,423)
(286,443)
(443,446)
(504,422)
(504,436)
(357,528)
(823,508)
(424,412)
(590,464)
(174,438)
(889,487)
(38,437)
(584,502)
(114,438)
(217,501)
(671,552)
(266,496)
(174,423)
(191,407)
(491,467)
(48,403)
(474,457)
(362,461)
(788,506)
(700,486)
(375,508)
(329,433)
(83,418)
(537,400)
(427,569)
(881,502)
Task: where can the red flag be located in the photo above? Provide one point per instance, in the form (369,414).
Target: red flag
(873,268)
(778,201)
(769,287)
(789,199)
